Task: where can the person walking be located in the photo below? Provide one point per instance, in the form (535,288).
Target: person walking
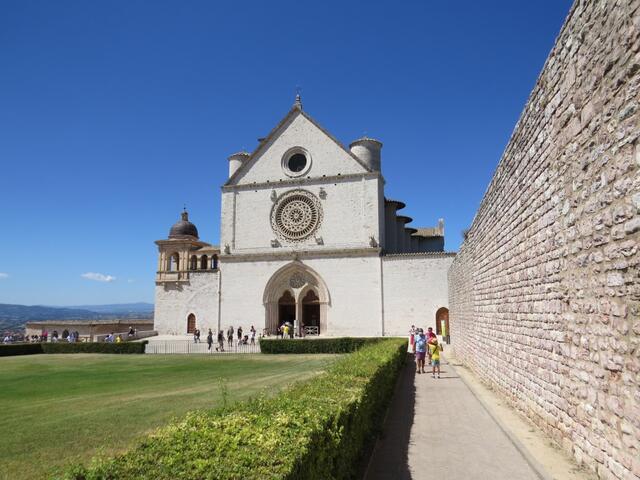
(285,331)
(434,349)
(209,339)
(220,346)
(230,336)
(239,334)
(253,335)
(411,347)
(421,350)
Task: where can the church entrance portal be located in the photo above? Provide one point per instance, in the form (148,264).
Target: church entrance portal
(286,309)
(191,323)
(311,313)
(296,294)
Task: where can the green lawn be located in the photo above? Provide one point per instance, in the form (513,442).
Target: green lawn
(57,409)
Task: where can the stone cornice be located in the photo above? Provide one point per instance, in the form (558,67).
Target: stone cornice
(393,256)
(295,182)
(301,254)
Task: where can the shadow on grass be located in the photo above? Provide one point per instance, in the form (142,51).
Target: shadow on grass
(390,457)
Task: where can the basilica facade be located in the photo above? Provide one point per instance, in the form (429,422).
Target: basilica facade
(307,237)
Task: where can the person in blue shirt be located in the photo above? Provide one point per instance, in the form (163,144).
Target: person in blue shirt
(421,351)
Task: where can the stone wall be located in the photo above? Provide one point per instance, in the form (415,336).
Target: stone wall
(545,292)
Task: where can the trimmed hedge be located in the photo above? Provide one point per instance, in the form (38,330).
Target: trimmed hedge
(319,345)
(317,430)
(94,347)
(20,349)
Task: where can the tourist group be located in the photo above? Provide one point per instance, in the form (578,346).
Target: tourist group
(425,346)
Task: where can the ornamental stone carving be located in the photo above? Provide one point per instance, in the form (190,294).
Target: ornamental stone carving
(296,215)
(297,280)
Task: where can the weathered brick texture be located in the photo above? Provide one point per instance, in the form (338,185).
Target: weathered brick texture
(545,292)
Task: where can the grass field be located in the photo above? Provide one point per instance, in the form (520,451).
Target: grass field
(57,409)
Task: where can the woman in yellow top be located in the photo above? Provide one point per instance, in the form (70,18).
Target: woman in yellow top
(434,350)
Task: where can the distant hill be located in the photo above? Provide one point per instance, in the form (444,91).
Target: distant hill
(14,317)
(117,308)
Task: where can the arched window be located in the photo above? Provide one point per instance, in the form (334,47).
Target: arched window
(174,262)
(193,264)
(204,261)
(214,262)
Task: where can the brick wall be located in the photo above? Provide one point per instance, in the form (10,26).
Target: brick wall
(545,293)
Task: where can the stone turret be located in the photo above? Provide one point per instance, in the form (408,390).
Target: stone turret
(368,151)
(235,162)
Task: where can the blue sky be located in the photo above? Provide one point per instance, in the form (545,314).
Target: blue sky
(115,114)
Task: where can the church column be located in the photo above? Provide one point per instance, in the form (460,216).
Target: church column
(323,319)
(299,313)
(271,317)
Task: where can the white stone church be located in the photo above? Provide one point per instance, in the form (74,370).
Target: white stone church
(307,237)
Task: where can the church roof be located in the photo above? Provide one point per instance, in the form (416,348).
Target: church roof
(428,232)
(399,204)
(295,110)
(183,228)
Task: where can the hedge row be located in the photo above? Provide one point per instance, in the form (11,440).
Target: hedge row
(317,430)
(20,349)
(64,347)
(320,345)
(94,347)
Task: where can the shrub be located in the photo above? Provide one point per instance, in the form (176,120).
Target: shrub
(20,349)
(94,347)
(319,429)
(319,345)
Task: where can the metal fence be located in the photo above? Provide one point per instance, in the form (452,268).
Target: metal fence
(189,347)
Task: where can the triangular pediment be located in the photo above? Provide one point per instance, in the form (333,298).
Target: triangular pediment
(297,130)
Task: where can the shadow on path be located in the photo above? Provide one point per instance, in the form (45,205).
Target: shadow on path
(390,459)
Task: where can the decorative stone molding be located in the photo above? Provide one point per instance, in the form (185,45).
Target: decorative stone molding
(297,280)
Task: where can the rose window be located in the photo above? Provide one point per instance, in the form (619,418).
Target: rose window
(296,215)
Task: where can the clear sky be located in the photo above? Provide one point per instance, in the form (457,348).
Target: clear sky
(115,114)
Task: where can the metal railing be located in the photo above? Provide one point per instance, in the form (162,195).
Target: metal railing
(189,347)
(312,330)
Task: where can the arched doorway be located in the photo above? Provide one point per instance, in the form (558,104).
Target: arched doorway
(311,313)
(191,323)
(442,323)
(295,280)
(286,309)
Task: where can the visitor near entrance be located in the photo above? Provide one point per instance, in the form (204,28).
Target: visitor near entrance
(434,349)
(411,344)
(209,339)
(421,350)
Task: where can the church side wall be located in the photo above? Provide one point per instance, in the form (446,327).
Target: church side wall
(415,287)
(545,291)
(175,301)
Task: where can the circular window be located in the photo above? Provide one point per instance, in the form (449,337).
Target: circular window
(296,215)
(296,162)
